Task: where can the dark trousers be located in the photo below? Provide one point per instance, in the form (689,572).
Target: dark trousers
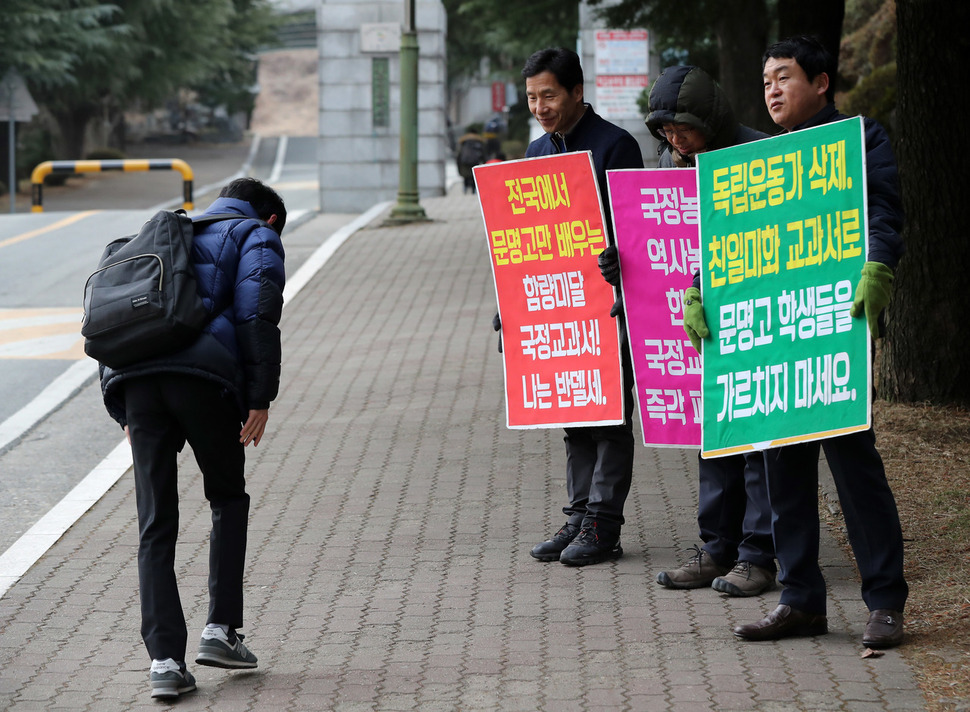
(871,520)
(163,412)
(733,511)
(599,466)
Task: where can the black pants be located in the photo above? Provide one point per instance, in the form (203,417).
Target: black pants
(871,520)
(599,466)
(733,511)
(163,412)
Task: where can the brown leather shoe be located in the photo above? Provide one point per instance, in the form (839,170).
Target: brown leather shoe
(784,622)
(884,629)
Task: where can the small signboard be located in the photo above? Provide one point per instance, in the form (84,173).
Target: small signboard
(622,72)
(16,103)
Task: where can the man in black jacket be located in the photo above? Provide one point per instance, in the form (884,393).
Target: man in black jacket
(798,94)
(599,459)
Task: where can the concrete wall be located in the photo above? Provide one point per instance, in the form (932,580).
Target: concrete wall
(358,160)
(472,105)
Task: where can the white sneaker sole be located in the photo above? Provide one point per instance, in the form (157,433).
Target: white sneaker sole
(220,660)
(169,692)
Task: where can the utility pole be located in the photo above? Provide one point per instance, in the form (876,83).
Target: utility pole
(12,148)
(16,105)
(408,209)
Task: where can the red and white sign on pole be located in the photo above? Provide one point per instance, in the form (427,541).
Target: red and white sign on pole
(498,97)
(545,227)
(622,72)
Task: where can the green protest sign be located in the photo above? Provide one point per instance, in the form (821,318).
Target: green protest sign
(783,240)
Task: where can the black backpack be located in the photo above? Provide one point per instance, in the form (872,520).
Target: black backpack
(472,152)
(142,301)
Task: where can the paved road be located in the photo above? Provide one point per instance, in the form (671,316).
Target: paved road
(44,260)
(388,564)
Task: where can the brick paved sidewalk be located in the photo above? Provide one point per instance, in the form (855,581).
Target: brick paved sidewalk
(392,517)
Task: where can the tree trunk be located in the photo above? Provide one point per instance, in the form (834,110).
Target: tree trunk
(822,18)
(742,34)
(925,356)
(5,154)
(72,124)
(118,137)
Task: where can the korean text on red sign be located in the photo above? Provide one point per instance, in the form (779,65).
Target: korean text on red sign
(544,224)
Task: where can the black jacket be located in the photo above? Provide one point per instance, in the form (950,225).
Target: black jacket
(882,188)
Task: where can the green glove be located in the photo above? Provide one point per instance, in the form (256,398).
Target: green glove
(872,294)
(694,322)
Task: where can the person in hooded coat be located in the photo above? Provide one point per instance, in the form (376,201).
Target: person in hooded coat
(689,113)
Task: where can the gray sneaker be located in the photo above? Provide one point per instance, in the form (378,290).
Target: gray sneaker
(700,570)
(745,579)
(170,679)
(221,650)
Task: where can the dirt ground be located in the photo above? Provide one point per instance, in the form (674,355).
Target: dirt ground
(926,450)
(288,100)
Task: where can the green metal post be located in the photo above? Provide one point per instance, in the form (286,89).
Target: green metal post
(408,209)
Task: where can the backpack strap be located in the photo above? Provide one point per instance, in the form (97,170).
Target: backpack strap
(202,220)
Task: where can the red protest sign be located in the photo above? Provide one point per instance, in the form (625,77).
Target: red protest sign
(545,227)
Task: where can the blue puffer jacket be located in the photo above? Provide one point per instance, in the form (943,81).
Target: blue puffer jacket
(240,275)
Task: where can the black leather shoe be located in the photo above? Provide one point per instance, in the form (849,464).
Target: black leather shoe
(784,622)
(550,549)
(884,629)
(590,548)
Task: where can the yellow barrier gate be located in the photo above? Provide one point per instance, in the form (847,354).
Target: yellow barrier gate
(127,165)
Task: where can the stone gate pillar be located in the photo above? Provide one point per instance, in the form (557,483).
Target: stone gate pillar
(359,74)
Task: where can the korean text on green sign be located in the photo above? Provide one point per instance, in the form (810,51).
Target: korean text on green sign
(783,240)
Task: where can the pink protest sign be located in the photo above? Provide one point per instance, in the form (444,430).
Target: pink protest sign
(655,221)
